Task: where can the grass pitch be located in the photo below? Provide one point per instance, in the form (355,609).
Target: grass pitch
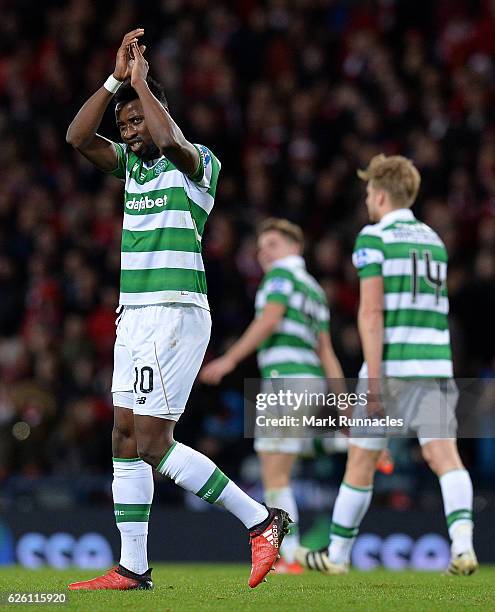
(188,588)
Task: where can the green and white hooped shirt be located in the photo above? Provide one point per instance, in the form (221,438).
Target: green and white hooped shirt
(165,213)
(291,349)
(412,260)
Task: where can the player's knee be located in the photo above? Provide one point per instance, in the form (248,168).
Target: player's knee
(276,481)
(432,458)
(147,453)
(361,467)
(122,439)
(151,452)
(363,460)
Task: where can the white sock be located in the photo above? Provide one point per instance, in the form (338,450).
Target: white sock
(350,507)
(284,498)
(457,493)
(132,496)
(196,473)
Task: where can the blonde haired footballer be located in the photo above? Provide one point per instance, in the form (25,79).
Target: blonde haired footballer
(403,325)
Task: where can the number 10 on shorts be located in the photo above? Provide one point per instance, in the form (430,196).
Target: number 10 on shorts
(143,379)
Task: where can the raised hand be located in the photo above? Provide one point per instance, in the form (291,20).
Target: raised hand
(139,66)
(123,67)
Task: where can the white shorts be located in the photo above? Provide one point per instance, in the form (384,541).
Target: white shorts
(427,407)
(158,352)
(273,440)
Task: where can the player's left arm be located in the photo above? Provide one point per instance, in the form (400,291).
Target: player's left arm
(165,133)
(256,333)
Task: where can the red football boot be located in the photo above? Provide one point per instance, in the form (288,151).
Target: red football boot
(117,579)
(266,539)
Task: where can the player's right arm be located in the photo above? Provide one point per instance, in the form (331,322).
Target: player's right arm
(368,258)
(257,332)
(370,324)
(82,131)
(276,289)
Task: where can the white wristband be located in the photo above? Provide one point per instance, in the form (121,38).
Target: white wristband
(112,85)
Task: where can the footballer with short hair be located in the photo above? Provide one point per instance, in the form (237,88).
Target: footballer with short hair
(164,323)
(403,325)
(291,336)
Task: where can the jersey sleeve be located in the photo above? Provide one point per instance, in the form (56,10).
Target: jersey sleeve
(119,171)
(324,318)
(206,175)
(368,255)
(278,287)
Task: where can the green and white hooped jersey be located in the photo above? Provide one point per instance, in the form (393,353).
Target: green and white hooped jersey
(412,260)
(291,349)
(165,212)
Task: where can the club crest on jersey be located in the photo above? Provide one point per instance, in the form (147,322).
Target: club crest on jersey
(361,258)
(206,155)
(160,167)
(278,285)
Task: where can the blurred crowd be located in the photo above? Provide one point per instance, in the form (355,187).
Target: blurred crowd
(293,96)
